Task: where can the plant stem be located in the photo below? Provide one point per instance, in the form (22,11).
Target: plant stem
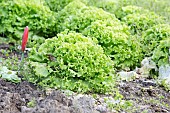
(22,57)
(21,62)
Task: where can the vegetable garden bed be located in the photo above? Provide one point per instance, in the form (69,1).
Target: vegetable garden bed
(84,56)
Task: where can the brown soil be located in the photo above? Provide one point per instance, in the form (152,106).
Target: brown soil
(147,96)
(15,98)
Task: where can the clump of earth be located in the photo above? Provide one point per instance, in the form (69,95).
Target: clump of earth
(144,94)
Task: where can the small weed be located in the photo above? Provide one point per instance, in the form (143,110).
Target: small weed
(161,97)
(32,103)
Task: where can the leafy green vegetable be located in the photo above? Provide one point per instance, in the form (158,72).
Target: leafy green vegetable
(162,52)
(35,40)
(107,5)
(16,14)
(116,42)
(72,62)
(141,22)
(40,69)
(57,5)
(74,17)
(153,36)
(124,11)
(9,75)
(158,6)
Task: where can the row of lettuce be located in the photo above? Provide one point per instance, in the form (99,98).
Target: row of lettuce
(89,44)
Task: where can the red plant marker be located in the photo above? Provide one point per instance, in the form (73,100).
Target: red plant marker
(23,46)
(24,39)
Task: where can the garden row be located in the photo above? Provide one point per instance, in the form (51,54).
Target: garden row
(86,45)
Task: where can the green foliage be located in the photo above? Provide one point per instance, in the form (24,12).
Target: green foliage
(9,75)
(11,62)
(158,6)
(9,66)
(72,62)
(57,5)
(32,103)
(123,105)
(116,6)
(107,5)
(165,84)
(124,11)
(141,22)
(153,36)
(70,9)
(68,12)
(16,14)
(116,42)
(161,53)
(80,17)
(35,40)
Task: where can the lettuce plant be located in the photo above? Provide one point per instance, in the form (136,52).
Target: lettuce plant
(79,18)
(9,75)
(141,22)
(130,9)
(107,5)
(161,53)
(72,62)
(57,5)
(153,36)
(16,14)
(116,42)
